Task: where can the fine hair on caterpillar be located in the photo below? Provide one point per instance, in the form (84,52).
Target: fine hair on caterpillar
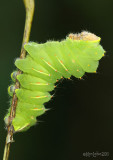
(44,65)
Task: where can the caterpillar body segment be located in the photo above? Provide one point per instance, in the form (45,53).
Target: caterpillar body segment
(34,83)
(26,115)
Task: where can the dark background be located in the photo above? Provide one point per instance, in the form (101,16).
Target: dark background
(81,115)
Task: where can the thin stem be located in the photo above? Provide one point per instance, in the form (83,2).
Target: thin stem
(29,6)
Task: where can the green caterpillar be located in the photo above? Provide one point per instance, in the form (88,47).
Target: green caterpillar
(44,66)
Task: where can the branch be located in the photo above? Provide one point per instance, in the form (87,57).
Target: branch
(29,6)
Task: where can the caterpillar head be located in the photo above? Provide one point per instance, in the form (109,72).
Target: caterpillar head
(86,36)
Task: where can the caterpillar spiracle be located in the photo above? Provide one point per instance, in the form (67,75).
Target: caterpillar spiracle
(43,66)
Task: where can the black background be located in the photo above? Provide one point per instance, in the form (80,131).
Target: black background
(80,118)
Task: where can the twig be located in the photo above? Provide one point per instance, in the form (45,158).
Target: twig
(29,6)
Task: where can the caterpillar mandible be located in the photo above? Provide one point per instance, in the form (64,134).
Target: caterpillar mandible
(44,65)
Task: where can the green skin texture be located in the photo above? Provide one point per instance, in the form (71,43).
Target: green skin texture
(43,66)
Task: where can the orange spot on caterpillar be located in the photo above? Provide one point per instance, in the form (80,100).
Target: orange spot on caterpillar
(36,109)
(38,83)
(57,80)
(39,97)
(68,78)
(41,72)
(49,63)
(66,69)
(61,77)
(61,62)
(55,86)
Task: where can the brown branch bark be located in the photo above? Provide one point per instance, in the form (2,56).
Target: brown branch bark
(29,6)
